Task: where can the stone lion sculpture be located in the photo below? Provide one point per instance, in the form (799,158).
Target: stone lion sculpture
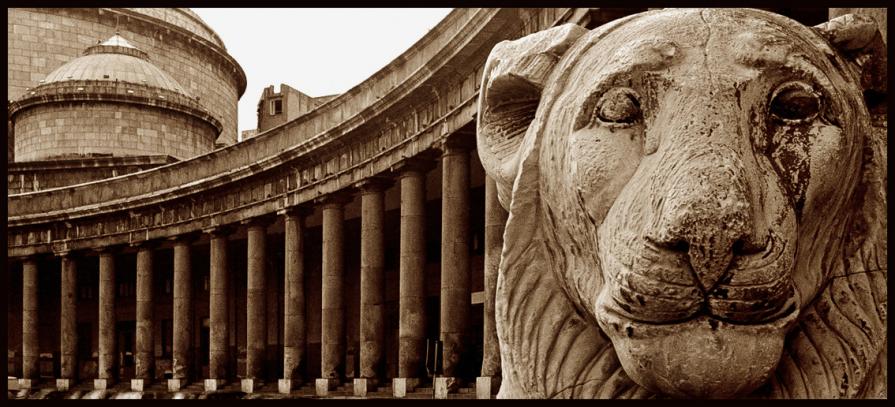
(697,208)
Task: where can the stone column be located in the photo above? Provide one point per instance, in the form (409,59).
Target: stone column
(294,329)
(495,220)
(30,313)
(183,315)
(145,340)
(332,318)
(372,285)
(256,315)
(108,366)
(411,276)
(455,294)
(218,314)
(68,323)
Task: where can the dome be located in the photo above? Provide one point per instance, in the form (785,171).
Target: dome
(115,60)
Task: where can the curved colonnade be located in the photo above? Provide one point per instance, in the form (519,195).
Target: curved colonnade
(388,132)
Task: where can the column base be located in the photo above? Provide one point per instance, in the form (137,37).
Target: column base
(364,385)
(139,384)
(102,384)
(285,386)
(27,383)
(403,385)
(444,385)
(250,386)
(486,387)
(176,384)
(214,384)
(323,386)
(64,384)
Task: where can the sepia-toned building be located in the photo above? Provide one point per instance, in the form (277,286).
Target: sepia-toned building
(349,247)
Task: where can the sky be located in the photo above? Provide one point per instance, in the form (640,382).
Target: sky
(317,51)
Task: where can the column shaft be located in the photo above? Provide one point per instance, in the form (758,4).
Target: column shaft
(495,220)
(183,299)
(218,314)
(145,346)
(411,274)
(455,294)
(107,352)
(372,282)
(333,307)
(256,325)
(30,351)
(68,314)
(294,334)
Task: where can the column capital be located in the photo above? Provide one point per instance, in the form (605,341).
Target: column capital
(184,237)
(218,230)
(457,143)
(263,220)
(373,184)
(300,211)
(423,163)
(145,244)
(338,198)
(112,249)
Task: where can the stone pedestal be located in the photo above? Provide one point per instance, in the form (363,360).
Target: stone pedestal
(486,387)
(139,384)
(403,385)
(443,386)
(285,386)
(323,386)
(455,273)
(250,385)
(102,384)
(214,384)
(176,384)
(64,384)
(362,386)
(27,384)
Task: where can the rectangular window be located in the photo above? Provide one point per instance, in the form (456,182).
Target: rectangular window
(276,106)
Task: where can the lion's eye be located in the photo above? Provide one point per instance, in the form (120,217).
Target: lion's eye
(795,102)
(619,105)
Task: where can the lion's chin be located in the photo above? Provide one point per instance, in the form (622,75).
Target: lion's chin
(699,358)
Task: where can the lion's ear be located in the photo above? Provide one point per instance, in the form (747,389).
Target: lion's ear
(512,82)
(859,39)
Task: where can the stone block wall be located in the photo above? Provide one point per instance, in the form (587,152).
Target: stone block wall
(41,40)
(59,130)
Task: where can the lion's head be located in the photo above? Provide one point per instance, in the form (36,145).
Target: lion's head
(697,187)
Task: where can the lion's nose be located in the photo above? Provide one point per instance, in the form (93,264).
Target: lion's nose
(706,214)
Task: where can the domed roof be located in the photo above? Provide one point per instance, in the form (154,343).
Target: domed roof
(115,60)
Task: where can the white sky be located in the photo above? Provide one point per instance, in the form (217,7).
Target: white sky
(317,51)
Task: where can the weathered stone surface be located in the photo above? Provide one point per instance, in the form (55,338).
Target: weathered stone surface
(294,321)
(696,206)
(68,324)
(30,314)
(218,312)
(144,357)
(108,366)
(183,315)
(412,288)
